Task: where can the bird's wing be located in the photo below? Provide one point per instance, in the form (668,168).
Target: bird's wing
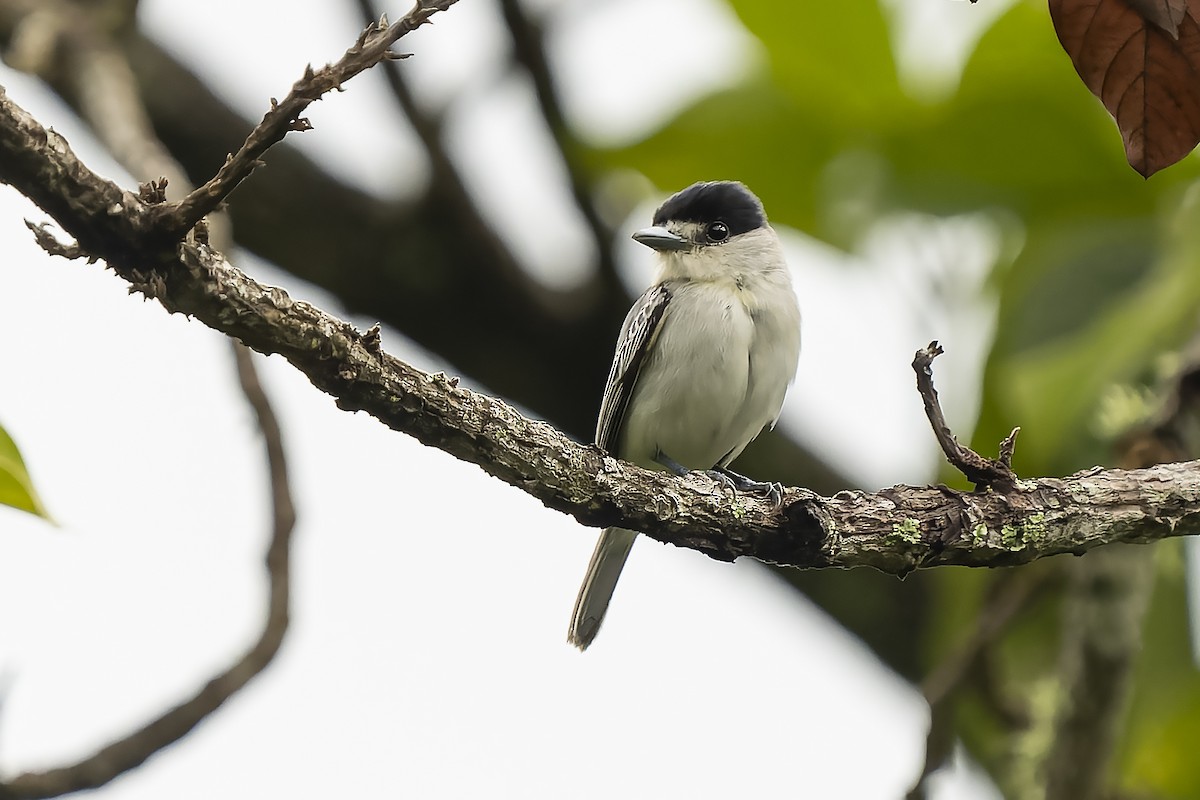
(637,335)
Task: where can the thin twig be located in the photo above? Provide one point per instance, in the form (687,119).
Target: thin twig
(412,252)
(1104,610)
(427,125)
(529,49)
(283,509)
(120,120)
(373,46)
(983,472)
(447,181)
(1012,593)
(133,750)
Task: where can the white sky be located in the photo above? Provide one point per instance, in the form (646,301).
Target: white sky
(427,656)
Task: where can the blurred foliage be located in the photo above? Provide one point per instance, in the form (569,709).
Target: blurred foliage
(1158,752)
(1101,281)
(16,487)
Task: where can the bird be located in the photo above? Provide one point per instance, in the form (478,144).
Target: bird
(703,361)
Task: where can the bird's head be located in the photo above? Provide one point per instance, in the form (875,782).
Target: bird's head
(712,229)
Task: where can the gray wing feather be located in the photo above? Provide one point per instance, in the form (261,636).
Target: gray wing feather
(637,336)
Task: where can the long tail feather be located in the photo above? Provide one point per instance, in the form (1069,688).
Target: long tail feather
(602,573)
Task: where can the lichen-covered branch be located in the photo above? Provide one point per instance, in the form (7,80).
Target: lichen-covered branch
(895,530)
(1104,608)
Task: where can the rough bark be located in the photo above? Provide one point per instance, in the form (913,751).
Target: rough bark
(895,530)
(432,268)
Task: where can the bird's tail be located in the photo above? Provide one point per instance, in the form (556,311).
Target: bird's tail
(603,570)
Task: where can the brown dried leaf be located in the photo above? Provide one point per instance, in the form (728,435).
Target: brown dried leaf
(1166,14)
(1147,78)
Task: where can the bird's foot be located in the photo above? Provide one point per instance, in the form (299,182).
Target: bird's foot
(729,479)
(772,489)
(724,480)
(719,476)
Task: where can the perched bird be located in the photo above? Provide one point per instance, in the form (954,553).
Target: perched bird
(703,361)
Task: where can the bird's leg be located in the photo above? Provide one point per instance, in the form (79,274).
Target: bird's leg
(679,469)
(671,464)
(772,489)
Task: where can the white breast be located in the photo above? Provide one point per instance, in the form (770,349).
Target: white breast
(717,374)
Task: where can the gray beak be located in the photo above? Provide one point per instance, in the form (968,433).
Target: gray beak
(661,239)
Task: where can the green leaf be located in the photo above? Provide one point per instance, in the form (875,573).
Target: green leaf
(1021,133)
(836,57)
(16,487)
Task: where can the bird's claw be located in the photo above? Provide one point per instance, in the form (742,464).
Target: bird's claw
(772,489)
(729,479)
(725,480)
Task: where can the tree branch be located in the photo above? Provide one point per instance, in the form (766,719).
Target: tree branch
(133,750)
(1010,595)
(417,257)
(373,46)
(115,111)
(529,50)
(1105,609)
(983,472)
(895,530)
(1105,605)
(447,181)
(412,258)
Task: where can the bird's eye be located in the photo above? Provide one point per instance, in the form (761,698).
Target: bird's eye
(717,232)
